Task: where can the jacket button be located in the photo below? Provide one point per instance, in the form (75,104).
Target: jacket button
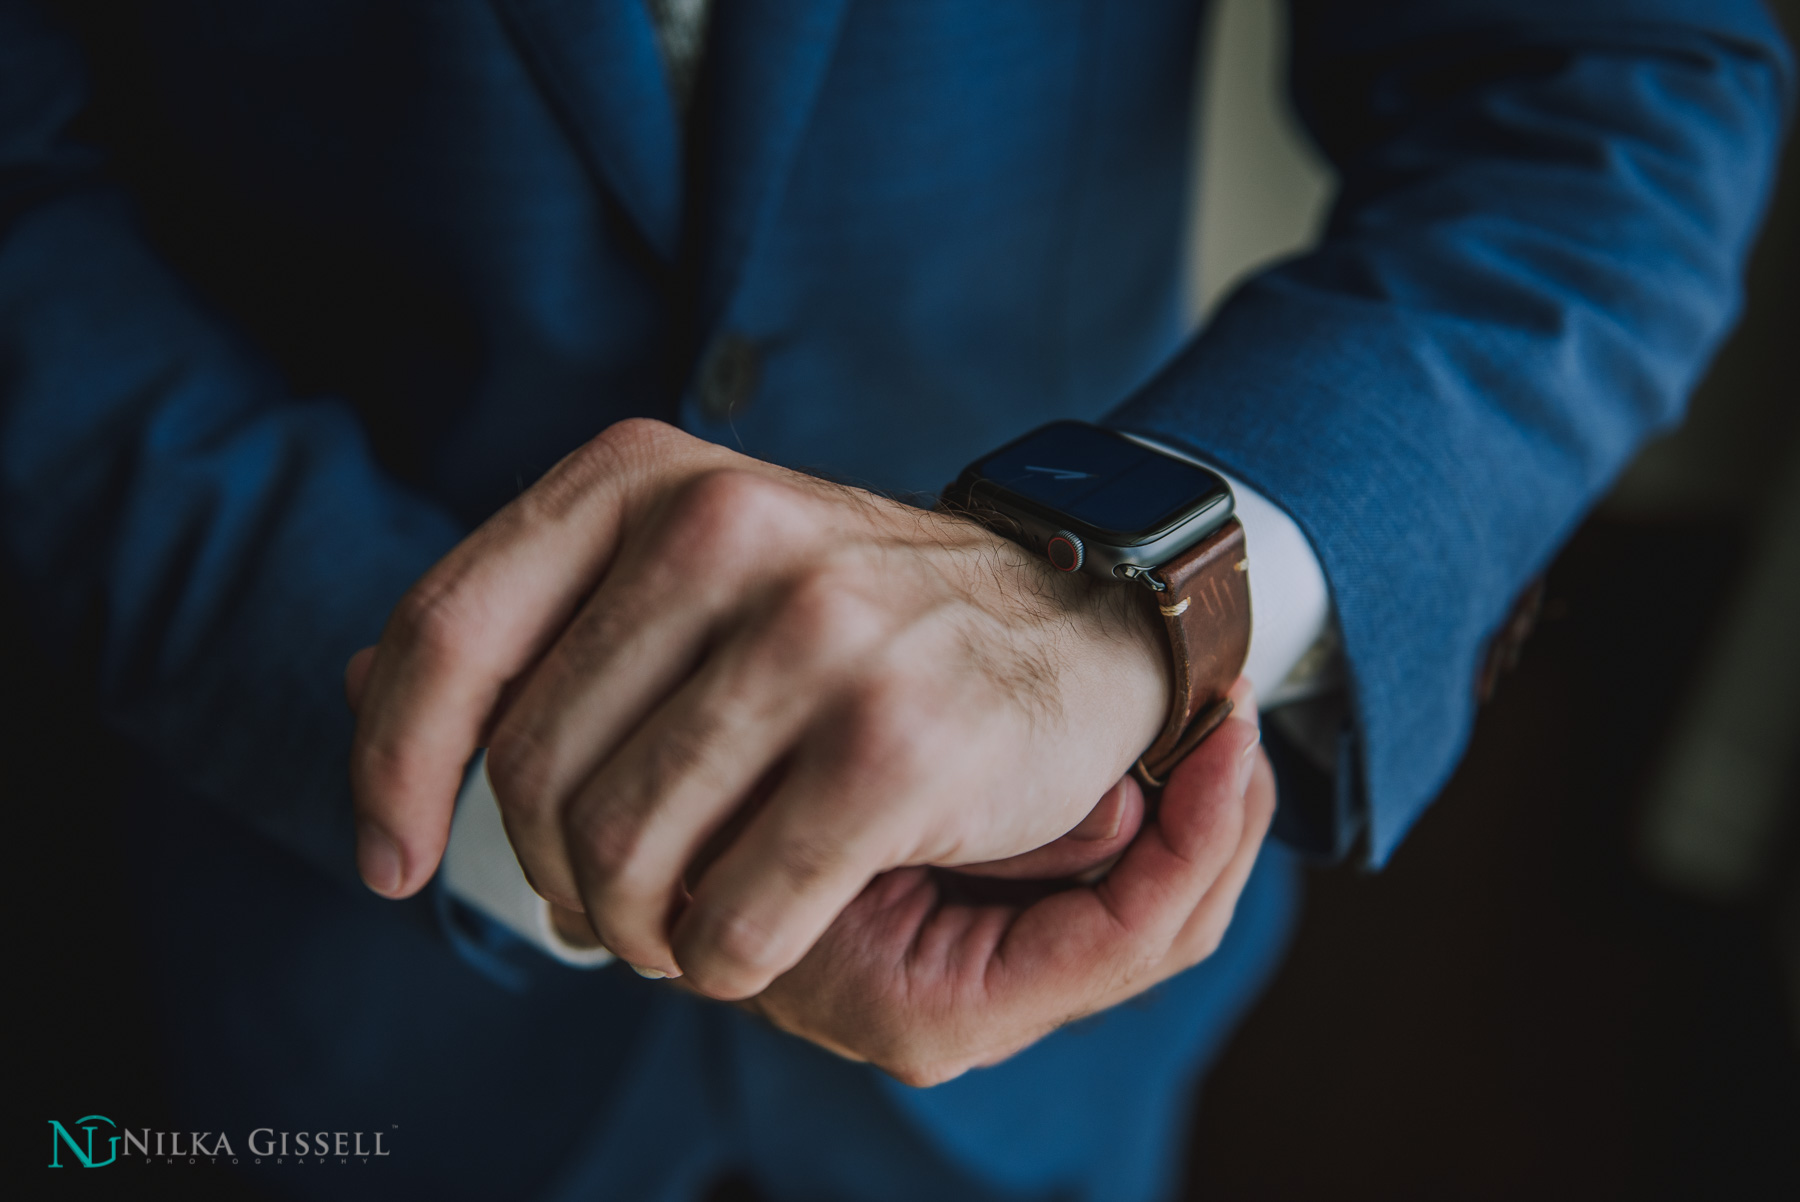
(728,377)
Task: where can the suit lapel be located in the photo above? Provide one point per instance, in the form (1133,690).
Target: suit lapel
(599,62)
(766,62)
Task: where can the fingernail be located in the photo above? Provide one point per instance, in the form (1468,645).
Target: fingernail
(1247,706)
(654,974)
(378,860)
(1103,821)
(1247,764)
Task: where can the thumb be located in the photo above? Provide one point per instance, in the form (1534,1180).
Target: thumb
(1095,842)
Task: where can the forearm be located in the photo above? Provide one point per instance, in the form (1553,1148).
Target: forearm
(1534,252)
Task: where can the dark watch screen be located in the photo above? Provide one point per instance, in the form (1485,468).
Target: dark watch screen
(1101,479)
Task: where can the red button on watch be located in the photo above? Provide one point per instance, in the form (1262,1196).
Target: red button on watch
(1065,551)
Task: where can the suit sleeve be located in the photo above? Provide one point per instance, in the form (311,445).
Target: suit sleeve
(198,549)
(1539,240)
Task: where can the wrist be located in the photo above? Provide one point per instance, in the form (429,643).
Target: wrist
(1123,658)
(1098,644)
(1104,506)
(1141,660)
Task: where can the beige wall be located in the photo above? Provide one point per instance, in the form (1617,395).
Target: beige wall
(1262,190)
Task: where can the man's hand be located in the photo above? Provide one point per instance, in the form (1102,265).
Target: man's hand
(679,656)
(927,987)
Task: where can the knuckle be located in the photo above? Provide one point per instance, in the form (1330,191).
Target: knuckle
(609,842)
(1206,945)
(429,623)
(805,860)
(593,636)
(731,515)
(381,771)
(919,1072)
(891,733)
(743,957)
(1205,940)
(633,435)
(1141,957)
(562,488)
(624,447)
(680,753)
(826,619)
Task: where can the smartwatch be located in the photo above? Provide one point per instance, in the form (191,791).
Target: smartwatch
(1092,500)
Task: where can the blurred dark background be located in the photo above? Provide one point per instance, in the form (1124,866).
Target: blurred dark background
(1578,978)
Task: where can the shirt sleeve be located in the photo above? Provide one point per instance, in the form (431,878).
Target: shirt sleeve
(1538,244)
(480,870)
(1293,645)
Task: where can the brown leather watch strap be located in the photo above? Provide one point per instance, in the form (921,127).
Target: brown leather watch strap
(1205,608)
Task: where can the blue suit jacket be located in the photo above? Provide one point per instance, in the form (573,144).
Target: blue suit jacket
(383,270)
(347,280)
(293,293)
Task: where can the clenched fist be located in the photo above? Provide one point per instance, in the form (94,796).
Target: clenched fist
(720,698)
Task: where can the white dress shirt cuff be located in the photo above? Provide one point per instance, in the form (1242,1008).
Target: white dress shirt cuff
(1293,632)
(481,870)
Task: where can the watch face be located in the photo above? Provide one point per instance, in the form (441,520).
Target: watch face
(1123,492)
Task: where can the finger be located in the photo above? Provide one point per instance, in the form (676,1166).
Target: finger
(853,992)
(1115,935)
(928,989)
(682,582)
(805,858)
(644,816)
(1026,972)
(356,677)
(1096,840)
(572,927)
(479,617)
(827,830)
(1205,929)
